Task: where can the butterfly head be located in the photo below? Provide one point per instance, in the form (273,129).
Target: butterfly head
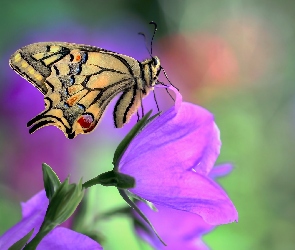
(155,68)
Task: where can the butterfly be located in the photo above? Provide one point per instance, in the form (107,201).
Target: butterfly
(79,81)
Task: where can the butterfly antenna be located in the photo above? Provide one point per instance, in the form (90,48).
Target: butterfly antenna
(155,29)
(170,95)
(167,90)
(142,34)
(168,78)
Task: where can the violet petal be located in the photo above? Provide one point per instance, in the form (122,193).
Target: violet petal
(174,142)
(33,212)
(190,192)
(63,238)
(220,170)
(179,229)
(33,215)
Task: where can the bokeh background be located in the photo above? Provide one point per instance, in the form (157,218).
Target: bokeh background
(234,57)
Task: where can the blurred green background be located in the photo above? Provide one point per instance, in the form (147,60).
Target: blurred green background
(234,57)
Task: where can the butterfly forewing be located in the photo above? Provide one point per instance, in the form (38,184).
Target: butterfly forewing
(79,81)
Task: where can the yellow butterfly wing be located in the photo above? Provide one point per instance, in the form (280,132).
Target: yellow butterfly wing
(79,81)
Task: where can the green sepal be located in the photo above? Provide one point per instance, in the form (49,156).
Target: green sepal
(138,223)
(141,214)
(62,205)
(153,117)
(112,178)
(51,180)
(22,242)
(129,137)
(148,203)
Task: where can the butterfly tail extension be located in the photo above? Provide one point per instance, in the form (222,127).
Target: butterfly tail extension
(44,119)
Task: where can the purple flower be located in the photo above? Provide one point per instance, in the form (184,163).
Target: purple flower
(33,212)
(178,229)
(171,159)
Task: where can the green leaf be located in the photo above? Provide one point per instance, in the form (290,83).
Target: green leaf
(133,205)
(129,137)
(22,242)
(51,180)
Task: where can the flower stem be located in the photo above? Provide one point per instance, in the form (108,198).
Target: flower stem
(32,245)
(111,178)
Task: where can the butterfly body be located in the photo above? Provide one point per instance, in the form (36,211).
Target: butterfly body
(79,81)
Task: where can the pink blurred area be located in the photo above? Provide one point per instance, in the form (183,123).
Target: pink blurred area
(199,58)
(235,54)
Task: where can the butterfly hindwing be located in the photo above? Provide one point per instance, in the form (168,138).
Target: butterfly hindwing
(79,81)
(127,105)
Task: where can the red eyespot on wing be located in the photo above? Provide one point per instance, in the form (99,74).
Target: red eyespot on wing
(87,122)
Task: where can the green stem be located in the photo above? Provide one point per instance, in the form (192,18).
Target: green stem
(91,182)
(32,245)
(111,178)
